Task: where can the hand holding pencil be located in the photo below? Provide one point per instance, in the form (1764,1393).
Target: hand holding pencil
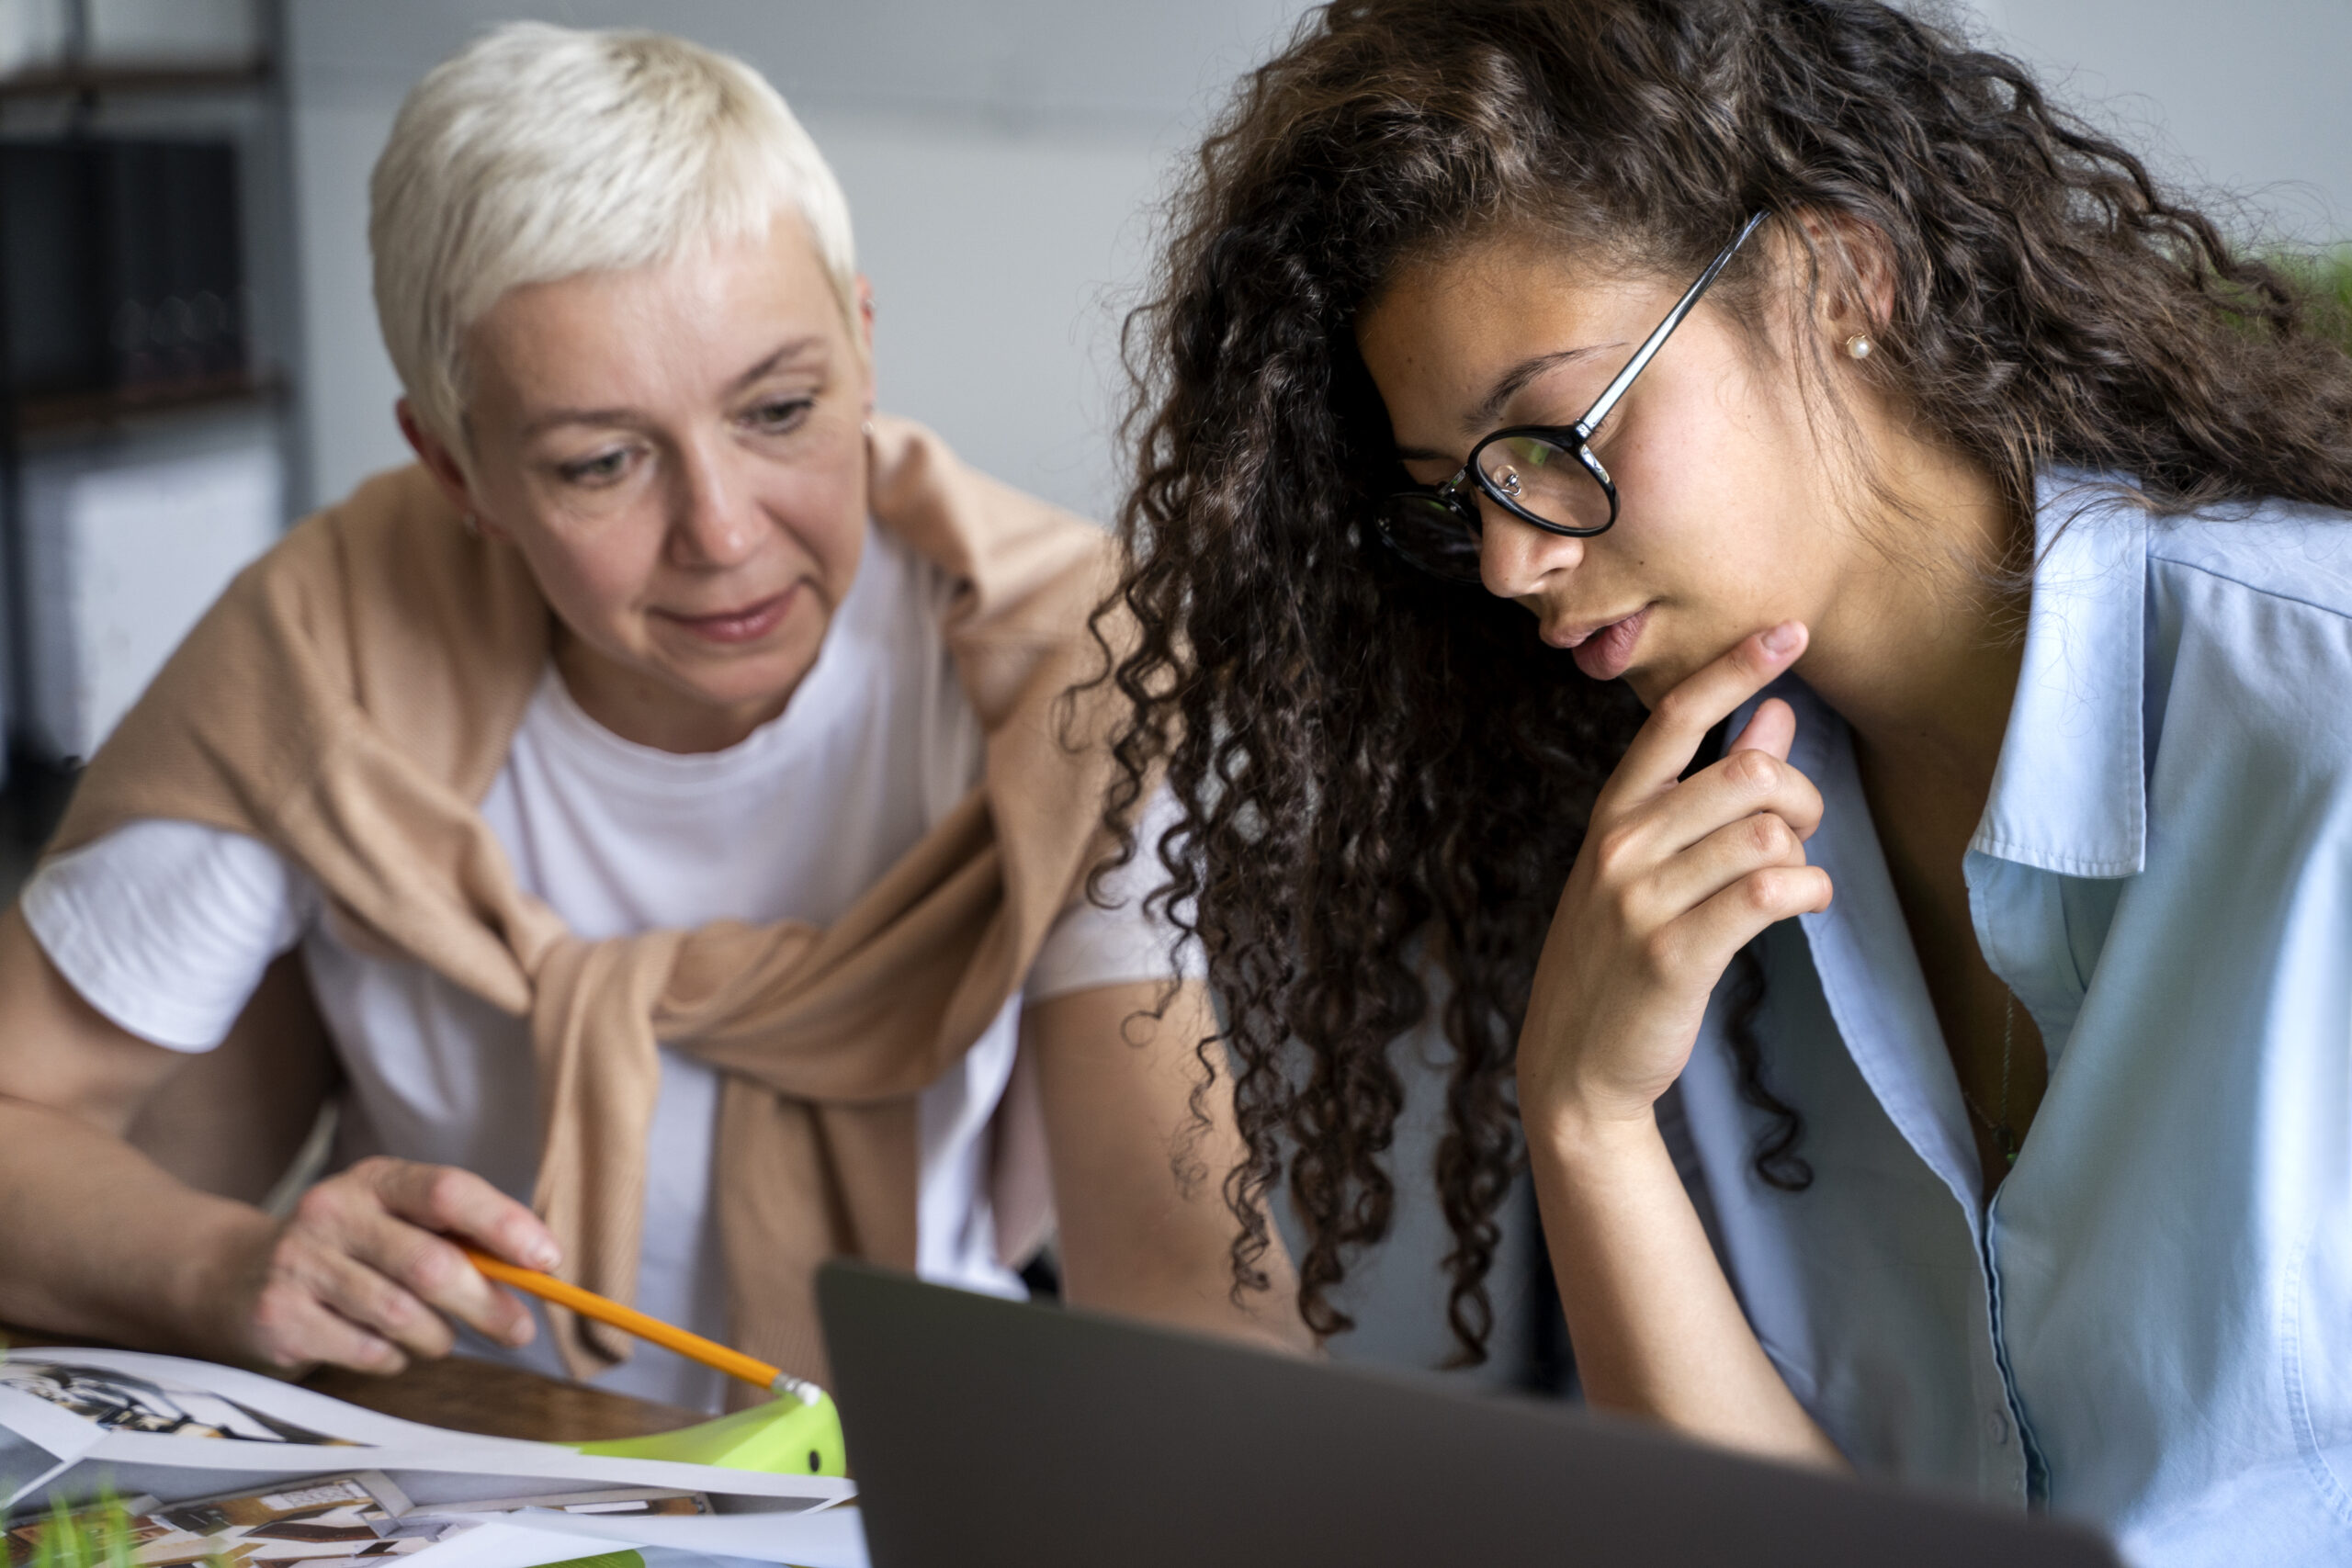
(587,1303)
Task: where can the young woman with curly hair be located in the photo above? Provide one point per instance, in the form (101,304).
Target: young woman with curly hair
(1948,1072)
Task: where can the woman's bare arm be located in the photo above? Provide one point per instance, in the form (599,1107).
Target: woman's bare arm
(1657,1329)
(98,1240)
(1679,871)
(1138,1185)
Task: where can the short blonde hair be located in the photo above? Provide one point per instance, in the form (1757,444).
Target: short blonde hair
(538,152)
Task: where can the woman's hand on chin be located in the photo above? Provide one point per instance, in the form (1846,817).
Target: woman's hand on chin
(365,1272)
(1675,876)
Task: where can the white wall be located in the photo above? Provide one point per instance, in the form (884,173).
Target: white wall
(999,158)
(2252,96)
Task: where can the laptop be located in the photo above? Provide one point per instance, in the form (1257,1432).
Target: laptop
(983,1432)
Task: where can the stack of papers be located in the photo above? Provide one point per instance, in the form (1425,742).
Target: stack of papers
(205,1463)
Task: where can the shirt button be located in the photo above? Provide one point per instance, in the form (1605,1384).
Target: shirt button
(1997,1427)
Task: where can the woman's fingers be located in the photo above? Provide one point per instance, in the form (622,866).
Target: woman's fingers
(367,1247)
(1731,851)
(1675,875)
(364,1273)
(423,1205)
(318,1302)
(292,1325)
(1676,728)
(1743,784)
(1742,788)
(1771,728)
(451,1202)
(359,1289)
(1702,942)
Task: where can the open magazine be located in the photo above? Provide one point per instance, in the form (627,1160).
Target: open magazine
(204,1463)
(316,1519)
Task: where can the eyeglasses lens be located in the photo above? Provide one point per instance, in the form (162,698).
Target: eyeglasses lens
(1546,480)
(1539,478)
(1432,537)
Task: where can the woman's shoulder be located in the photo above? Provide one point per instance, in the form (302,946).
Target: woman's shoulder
(2271,556)
(394,547)
(1023,568)
(2249,625)
(383,603)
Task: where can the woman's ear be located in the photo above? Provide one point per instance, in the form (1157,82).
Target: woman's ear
(1857,271)
(865,333)
(442,464)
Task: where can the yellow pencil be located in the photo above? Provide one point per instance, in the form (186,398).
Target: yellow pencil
(588,1304)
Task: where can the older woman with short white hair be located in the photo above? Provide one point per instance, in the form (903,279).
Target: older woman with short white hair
(666,794)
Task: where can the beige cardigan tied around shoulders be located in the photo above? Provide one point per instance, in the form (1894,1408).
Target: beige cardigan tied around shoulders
(352,696)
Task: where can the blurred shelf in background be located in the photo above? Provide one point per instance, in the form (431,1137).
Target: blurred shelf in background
(64,82)
(145,296)
(65,412)
(129,39)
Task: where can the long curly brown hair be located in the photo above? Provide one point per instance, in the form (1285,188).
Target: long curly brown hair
(1383,780)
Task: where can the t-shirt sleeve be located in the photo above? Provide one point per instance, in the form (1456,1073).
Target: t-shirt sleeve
(167,927)
(1091,946)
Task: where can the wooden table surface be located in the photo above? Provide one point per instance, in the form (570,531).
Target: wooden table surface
(478,1396)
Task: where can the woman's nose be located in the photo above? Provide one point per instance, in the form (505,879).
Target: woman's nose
(712,521)
(1516,558)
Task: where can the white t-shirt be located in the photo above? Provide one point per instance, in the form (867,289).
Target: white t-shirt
(165,927)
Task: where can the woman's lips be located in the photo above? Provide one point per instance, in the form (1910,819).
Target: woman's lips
(1608,652)
(748,624)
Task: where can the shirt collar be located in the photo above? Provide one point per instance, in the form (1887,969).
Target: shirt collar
(2070,791)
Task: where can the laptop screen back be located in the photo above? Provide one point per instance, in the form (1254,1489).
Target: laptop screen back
(984,1432)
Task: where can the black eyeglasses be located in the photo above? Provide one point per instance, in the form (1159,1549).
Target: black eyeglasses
(1542,474)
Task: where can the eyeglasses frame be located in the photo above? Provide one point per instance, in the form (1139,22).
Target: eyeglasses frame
(1575,437)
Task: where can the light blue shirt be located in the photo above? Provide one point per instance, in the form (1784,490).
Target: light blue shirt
(2151,1327)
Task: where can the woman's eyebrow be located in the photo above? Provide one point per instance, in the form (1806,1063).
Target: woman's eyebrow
(791,350)
(554,418)
(783,354)
(1512,382)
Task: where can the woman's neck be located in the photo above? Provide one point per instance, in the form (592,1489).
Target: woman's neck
(1920,654)
(1923,662)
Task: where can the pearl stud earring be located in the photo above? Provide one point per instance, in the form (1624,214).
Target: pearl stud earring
(1857,347)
